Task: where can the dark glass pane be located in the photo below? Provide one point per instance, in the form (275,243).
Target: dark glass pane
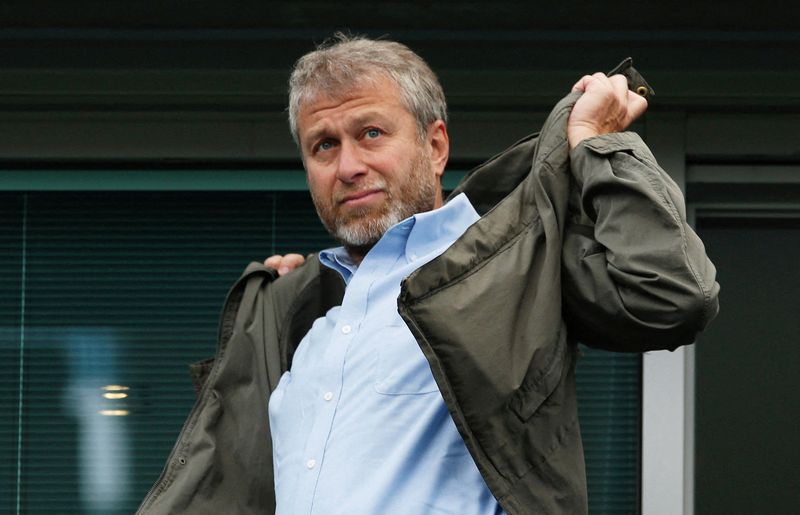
(746,438)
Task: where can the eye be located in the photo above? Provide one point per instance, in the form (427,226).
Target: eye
(372,133)
(324,145)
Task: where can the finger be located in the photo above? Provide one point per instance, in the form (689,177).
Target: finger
(595,81)
(600,79)
(581,84)
(291,261)
(273,261)
(637,105)
(620,85)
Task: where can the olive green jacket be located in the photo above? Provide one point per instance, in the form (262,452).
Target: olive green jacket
(590,245)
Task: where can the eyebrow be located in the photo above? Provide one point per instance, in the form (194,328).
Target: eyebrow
(360,119)
(315,134)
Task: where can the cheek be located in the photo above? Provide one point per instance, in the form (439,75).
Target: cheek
(391,167)
(318,186)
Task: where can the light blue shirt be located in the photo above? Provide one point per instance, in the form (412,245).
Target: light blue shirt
(358,424)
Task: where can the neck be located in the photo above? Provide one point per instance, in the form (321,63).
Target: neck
(357,252)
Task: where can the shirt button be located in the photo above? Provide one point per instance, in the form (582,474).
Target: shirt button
(328,396)
(413,257)
(310,464)
(346,329)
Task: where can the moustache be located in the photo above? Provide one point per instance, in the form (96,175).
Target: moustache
(355,191)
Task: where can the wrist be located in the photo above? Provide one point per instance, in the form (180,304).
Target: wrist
(577,134)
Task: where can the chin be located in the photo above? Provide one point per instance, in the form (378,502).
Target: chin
(365,231)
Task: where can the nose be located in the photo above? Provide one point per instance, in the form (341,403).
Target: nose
(351,165)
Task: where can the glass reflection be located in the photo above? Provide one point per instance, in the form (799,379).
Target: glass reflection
(99,405)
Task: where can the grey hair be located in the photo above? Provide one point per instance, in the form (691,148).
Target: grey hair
(345,62)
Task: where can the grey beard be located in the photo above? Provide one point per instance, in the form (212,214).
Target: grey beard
(416,196)
(367,233)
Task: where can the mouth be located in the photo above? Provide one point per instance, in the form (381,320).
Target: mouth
(361,197)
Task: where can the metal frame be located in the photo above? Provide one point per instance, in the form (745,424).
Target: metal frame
(668,378)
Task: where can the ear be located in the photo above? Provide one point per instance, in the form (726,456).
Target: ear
(439,144)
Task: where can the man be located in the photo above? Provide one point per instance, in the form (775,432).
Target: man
(427,364)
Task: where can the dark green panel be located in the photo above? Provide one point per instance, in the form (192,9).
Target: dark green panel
(747,443)
(11,238)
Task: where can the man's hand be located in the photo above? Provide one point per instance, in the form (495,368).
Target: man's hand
(607,105)
(284,264)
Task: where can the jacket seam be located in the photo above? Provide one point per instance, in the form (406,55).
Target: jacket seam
(561,432)
(294,308)
(684,244)
(492,159)
(545,370)
(452,400)
(477,266)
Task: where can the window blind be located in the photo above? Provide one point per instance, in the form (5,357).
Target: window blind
(609,407)
(107,296)
(11,343)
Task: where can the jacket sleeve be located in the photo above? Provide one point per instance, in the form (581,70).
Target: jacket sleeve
(636,276)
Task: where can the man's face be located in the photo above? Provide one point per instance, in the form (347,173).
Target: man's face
(366,165)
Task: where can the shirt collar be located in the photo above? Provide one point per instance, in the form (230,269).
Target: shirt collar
(338,259)
(423,233)
(441,227)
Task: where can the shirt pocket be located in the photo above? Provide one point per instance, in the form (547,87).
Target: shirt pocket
(402,368)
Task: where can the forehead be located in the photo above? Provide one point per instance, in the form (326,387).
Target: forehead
(382,95)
